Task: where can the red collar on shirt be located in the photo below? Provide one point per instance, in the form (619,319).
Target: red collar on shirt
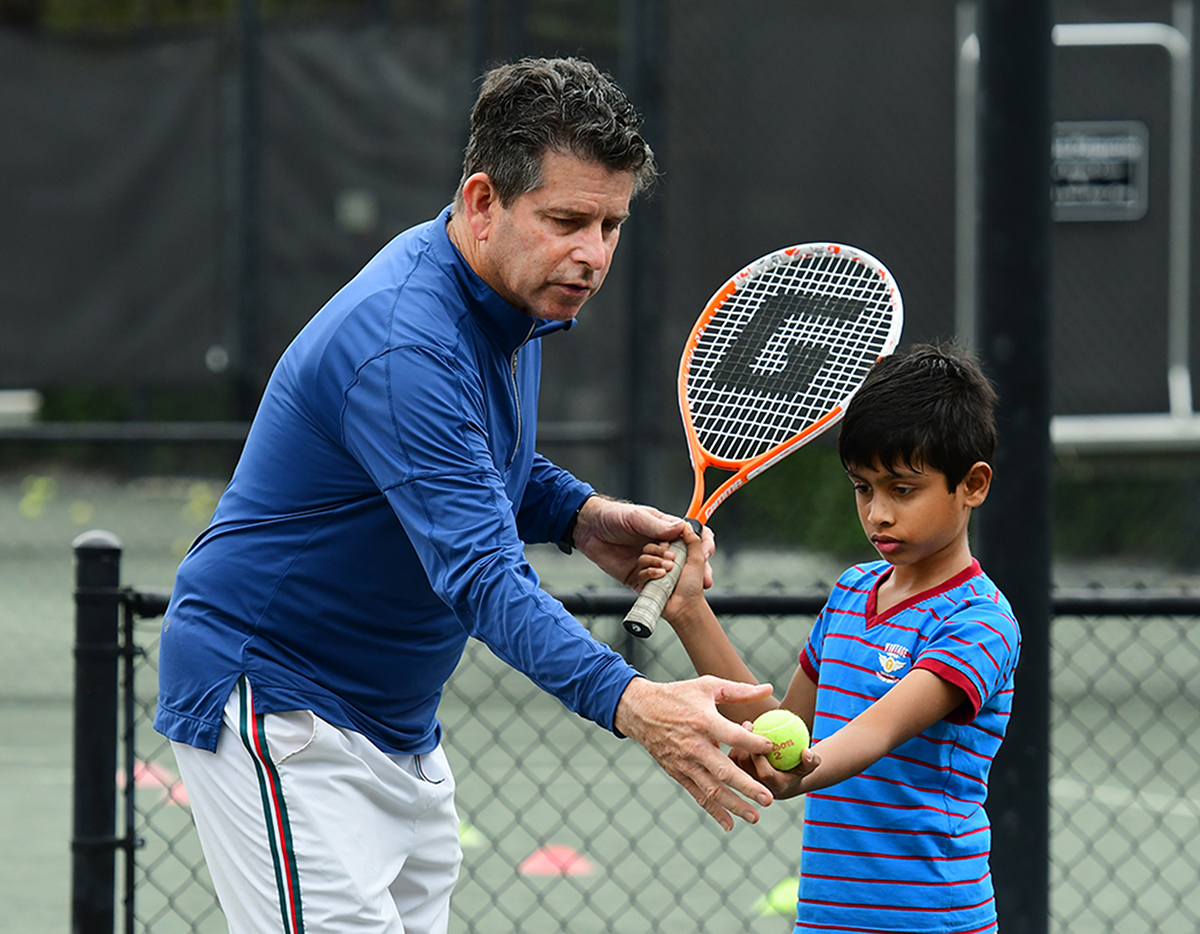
(872,598)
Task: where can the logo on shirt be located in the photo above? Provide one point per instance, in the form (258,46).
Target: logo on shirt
(892,660)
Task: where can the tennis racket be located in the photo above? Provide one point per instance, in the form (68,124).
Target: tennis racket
(771,363)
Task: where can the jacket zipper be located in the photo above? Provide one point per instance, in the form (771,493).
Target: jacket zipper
(517,393)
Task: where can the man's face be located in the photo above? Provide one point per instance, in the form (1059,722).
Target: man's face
(548,252)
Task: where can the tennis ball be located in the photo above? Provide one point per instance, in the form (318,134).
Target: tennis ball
(787,732)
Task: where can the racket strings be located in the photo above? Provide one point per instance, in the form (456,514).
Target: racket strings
(793,341)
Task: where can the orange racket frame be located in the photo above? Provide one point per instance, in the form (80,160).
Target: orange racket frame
(643,616)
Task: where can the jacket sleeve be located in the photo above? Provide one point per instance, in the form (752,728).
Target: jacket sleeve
(551,498)
(417,426)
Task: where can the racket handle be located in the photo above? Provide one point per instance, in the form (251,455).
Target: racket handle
(643,615)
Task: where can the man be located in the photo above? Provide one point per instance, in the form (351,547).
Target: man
(377,518)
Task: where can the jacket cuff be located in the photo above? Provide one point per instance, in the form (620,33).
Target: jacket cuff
(566,541)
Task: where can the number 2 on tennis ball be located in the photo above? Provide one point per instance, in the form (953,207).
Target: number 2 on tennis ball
(788,734)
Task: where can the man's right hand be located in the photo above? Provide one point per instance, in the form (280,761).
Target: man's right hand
(611,534)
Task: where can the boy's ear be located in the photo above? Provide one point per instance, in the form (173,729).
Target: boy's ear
(976,483)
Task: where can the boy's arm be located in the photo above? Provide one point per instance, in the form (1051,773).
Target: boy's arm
(801,697)
(917,702)
(697,626)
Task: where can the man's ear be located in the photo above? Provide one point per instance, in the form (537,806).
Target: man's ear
(976,483)
(480,204)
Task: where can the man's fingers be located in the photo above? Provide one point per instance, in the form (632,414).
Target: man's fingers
(649,522)
(722,783)
(718,813)
(742,781)
(716,798)
(729,781)
(679,725)
(737,692)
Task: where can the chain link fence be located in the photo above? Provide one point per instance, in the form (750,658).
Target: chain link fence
(1125,792)
(563,826)
(566,828)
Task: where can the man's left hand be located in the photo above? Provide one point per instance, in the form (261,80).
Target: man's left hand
(680,727)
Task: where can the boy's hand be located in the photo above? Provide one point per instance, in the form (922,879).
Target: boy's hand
(658,558)
(782,784)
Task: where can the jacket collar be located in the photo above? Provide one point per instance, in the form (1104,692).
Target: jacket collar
(504,324)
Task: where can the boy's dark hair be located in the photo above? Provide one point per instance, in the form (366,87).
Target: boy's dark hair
(930,406)
(564,105)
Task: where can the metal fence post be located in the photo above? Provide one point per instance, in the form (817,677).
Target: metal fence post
(1014,335)
(97,648)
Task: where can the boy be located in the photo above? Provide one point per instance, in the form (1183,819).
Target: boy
(906,679)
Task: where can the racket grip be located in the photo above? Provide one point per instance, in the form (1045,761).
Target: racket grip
(643,616)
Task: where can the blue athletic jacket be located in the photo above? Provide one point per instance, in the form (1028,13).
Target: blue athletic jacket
(377,519)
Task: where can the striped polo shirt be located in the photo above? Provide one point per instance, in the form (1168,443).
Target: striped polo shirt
(904,845)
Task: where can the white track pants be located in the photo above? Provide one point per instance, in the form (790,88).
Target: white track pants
(309,828)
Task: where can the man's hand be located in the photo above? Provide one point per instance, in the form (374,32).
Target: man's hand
(612,534)
(679,725)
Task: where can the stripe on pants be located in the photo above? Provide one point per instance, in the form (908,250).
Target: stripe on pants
(279,831)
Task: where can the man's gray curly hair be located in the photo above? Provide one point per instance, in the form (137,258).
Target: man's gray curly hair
(564,105)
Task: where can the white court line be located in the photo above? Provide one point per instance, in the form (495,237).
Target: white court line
(1118,797)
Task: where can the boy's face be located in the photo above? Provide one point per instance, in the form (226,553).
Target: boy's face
(910,515)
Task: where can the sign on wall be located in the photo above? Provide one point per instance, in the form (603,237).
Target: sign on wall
(1099,170)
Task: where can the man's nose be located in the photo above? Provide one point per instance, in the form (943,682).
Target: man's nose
(590,248)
